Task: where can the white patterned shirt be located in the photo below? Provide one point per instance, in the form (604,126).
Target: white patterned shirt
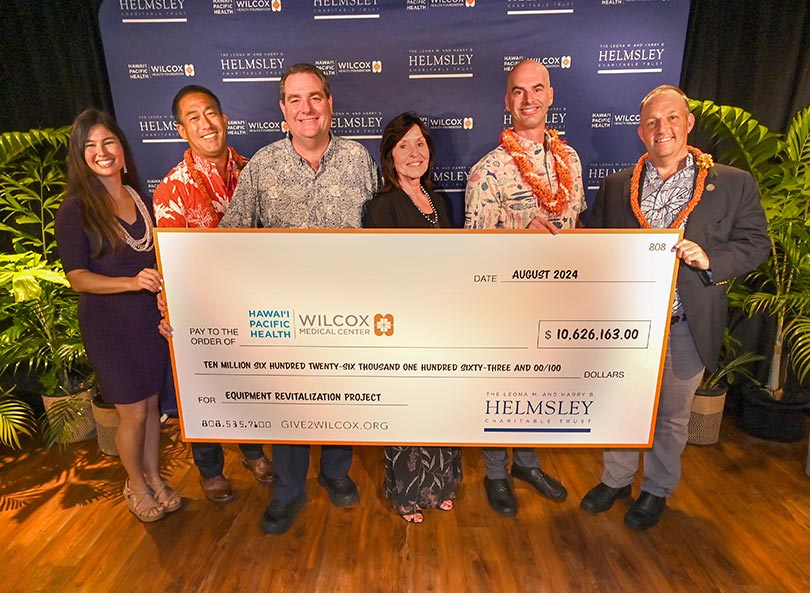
(278,188)
(498,198)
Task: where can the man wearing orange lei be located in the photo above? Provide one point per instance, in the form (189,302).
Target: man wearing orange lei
(196,194)
(677,186)
(531,180)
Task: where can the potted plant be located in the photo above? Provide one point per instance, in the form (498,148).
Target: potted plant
(39,330)
(780,287)
(710,396)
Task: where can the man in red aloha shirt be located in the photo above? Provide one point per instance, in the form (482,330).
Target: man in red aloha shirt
(196,194)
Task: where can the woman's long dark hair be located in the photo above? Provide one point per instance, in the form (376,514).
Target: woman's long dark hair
(393,133)
(96,203)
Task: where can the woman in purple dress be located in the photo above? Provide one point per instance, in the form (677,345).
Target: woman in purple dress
(104,235)
(415,477)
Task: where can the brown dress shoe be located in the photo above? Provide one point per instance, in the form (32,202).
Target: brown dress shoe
(216,489)
(261,468)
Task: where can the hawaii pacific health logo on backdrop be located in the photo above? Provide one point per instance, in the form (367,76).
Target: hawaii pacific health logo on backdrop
(221,7)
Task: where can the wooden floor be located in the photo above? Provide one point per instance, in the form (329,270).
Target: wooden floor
(739,522)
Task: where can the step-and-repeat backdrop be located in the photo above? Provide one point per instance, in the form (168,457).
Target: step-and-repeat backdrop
(446,60)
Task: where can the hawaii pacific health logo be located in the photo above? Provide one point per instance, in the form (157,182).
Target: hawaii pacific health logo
(383,324)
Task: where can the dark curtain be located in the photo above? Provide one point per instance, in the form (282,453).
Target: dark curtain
(753,54)
(51,62)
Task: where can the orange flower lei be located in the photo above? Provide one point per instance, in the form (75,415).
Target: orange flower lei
(557,203)
(188,157)
(703,161)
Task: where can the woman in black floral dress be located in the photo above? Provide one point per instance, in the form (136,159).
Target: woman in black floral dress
(415,477)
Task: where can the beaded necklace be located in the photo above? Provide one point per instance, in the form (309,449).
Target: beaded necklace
(145,242)
(433,217)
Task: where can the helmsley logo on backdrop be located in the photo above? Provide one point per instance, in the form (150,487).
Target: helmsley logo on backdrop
(438,62)
(345,9)
(631,2)
(236,6)
(358,125)
(157,129)
(252,66)
(597,170)
(555,118)
(146,71)
(450,178)
(153,11)
(630,58)
(533,7)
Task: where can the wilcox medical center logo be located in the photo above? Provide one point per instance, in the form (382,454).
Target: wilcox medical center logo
(146,71)
(285,324)
(607,119)
(428,4)
(333,67)
(509,62)
(220,7)
(448,122)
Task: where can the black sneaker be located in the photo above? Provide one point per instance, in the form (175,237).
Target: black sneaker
(278,516)
(342,491)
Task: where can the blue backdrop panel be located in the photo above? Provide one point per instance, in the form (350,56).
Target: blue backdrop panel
(447,60)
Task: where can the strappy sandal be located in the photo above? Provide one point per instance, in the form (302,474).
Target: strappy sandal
(145,512)
(166,496)
(413,516)
(446,505)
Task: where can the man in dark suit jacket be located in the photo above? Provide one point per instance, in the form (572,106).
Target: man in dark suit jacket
(725,235)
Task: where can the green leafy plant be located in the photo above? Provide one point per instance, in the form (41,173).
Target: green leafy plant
(16,418)
(730,366)
(39,330)
(781,167)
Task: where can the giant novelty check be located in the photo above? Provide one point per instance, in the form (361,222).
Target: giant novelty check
(408,337)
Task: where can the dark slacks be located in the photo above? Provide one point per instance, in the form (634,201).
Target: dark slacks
(291,463)
(210,459)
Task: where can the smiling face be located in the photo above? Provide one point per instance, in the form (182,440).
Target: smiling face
(664,128)
(528,98)
(203,126)
(306,108)
(411,156)
(103,152)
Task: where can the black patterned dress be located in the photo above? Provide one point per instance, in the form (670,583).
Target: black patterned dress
(415,477)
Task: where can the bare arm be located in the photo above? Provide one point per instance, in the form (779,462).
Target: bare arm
(87,281)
